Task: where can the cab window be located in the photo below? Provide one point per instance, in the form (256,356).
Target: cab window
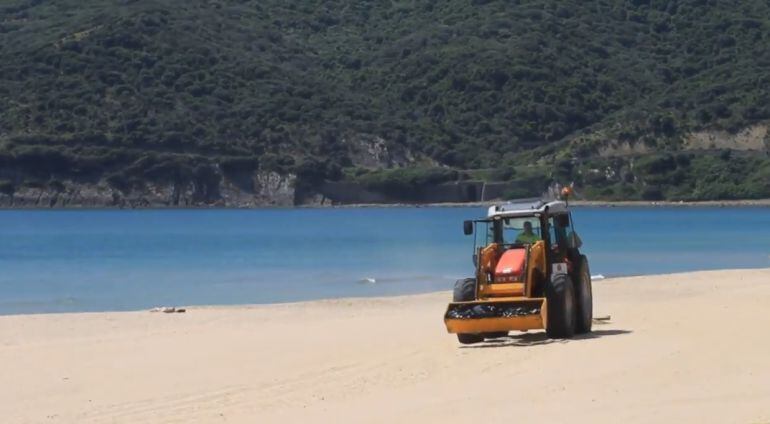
(561,232)
(521,230)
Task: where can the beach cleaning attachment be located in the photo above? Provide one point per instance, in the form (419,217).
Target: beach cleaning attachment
(493,316)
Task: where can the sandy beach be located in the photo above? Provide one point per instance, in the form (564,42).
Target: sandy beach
(678,348)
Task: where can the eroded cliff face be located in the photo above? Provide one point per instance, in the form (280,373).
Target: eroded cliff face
(755,138)
(71,195)
(171,182)
(266,189)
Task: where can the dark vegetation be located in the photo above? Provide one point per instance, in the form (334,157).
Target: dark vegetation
(405,183)
(133,91)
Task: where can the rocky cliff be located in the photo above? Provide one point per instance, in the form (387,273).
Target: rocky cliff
(265,189)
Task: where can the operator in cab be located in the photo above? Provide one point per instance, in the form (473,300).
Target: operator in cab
(527,236)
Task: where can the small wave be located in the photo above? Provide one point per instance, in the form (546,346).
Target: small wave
(398,279)
(597,277)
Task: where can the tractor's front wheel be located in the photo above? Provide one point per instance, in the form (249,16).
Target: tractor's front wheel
(495,335)
(560,294)
(465,291)
(469,338)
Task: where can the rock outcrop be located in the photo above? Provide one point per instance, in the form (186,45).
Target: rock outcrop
(267,189)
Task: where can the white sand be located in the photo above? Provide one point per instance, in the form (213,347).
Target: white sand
(679,348)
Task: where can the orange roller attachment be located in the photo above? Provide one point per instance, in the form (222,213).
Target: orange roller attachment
(496,315)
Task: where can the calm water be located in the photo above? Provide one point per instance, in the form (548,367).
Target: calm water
(117,260)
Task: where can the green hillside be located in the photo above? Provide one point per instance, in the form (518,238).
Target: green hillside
(131,91)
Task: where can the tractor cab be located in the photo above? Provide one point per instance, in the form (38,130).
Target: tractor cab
(511,232)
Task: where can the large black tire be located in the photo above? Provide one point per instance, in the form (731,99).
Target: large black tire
(495,335)
(584,297)
(561,307)
(469,338)
(465,291)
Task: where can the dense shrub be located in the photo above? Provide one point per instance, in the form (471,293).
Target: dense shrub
(656,164)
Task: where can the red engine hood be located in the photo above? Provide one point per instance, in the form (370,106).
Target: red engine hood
(511,263)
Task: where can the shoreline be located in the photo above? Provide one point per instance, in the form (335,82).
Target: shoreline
(574,203)
(577,203)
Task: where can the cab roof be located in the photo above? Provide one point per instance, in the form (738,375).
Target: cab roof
(526,207)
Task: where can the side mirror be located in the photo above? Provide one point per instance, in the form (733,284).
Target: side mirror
(468,227)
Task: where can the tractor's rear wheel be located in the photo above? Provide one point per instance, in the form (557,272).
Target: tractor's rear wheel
(560,294)
(465,291)
(584,297)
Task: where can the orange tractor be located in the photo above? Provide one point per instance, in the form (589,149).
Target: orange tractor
(530,275)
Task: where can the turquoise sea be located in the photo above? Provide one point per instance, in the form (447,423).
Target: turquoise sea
(72,260)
